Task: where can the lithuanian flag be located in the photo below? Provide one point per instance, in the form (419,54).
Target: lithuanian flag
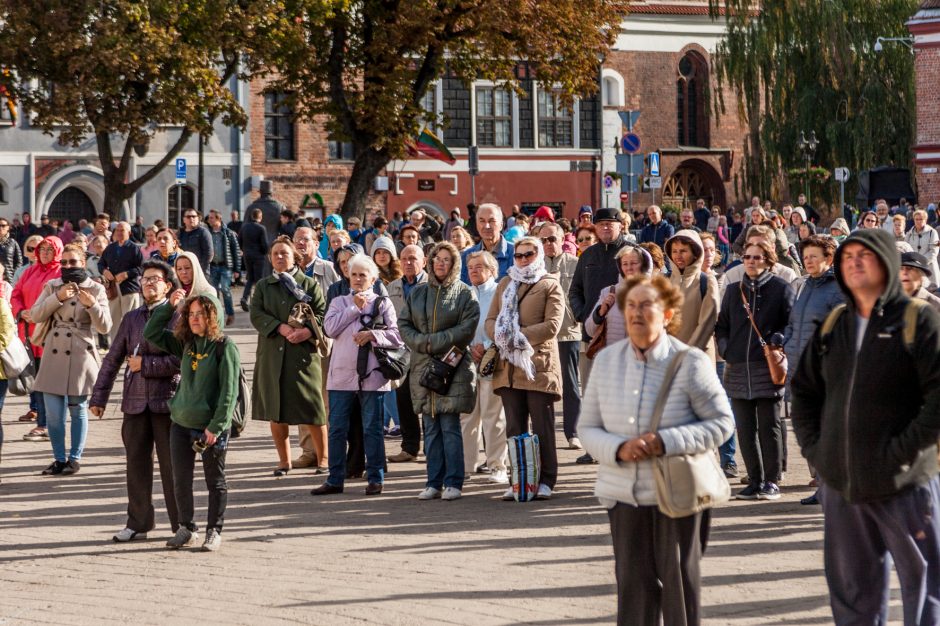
(428,144)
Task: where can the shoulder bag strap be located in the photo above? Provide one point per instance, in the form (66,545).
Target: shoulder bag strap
(750,316)
(663,394)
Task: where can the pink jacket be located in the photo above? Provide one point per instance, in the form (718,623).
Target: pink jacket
(30,285)
(342,323)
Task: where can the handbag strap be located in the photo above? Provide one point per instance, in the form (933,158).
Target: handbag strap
(663,394)
(750,316)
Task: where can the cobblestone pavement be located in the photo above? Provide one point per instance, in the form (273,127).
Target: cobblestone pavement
(345,559)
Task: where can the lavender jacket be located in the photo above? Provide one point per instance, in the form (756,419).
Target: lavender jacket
(342,323)
(159,375)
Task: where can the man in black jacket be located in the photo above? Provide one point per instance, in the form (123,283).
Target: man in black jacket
(253,238)
(11,255)
(866,411)
(195,238)
(226,260)
(596,270)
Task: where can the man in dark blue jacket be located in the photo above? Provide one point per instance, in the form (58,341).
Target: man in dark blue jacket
(658,231)
(195,238)
(253,238)
(866,411)
(120,264)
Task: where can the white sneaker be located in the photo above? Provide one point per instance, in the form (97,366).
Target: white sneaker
(451,493)
(126,535)
(213,541)
(429,493)
(575,444)
(183,538)
(544,492)
(508,495)
(499,477)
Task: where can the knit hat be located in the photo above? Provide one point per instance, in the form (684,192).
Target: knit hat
(384,243)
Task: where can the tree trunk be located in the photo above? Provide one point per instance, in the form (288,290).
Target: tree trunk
(367,166)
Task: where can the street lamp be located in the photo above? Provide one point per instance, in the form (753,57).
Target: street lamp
(907,41)
(808,148)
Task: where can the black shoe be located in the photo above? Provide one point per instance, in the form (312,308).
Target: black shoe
(373,489)
(813,499)
(730,470)
(71,467)
(244,306)
(749,493)
(326,489)
(586,459)
(482,469)
(55,469)
(769,491)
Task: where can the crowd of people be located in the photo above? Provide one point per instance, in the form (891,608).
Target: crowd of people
(659,335)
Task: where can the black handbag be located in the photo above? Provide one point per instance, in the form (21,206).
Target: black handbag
(393,363)
(437,376)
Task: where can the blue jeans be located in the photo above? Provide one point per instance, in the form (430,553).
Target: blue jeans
(391,409)
(3,396)
(371,404)
(58,408)
(727,449)
(220,277)
(443,447)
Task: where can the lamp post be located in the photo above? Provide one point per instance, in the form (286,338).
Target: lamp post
(808,148)
(904,41)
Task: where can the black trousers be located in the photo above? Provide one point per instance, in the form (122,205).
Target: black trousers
(356,452)
(254,268)
(213,466)
(656,561)
(141,433)
(520,405)
(408,420)
(570,355)
(759,437)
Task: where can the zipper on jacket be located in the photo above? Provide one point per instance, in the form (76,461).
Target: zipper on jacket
(747,359)
(433,330)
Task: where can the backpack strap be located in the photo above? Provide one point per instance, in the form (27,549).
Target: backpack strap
(911,311)
(702,284)
(830,322)
(220,348)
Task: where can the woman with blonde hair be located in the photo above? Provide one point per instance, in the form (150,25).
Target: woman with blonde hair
(460,238)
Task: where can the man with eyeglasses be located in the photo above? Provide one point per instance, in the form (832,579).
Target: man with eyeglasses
(120,263)
(11,255)
(151,376)
(563,265)
(490,227)
(195,238)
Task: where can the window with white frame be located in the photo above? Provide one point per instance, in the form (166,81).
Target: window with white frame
(494,117)
(556,123)
(6,111)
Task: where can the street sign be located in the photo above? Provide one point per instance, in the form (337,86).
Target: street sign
(656,182)
(473,160)
(630,143)
(629,118)
(654,164)
(842,174)
(608,182)
(928,170)
(180,171)
(624,196)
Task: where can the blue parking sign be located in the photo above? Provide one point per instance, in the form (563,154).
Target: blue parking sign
(181,169)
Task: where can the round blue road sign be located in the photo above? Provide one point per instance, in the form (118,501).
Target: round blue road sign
(630,143)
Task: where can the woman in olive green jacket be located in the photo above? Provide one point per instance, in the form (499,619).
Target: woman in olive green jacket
(287,388)
(439,315)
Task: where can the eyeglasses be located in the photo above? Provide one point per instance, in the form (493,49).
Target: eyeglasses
(30,248)
(190,215)
(70,263)
(583,239)
(152,280)
(550,239)
(753,257)
(196,315)
(4,225)
(524,255)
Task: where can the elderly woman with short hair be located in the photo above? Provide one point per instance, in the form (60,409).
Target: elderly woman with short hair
(358,322)
(616,428)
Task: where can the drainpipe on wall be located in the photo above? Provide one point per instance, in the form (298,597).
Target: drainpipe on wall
(31,178)
(239,181)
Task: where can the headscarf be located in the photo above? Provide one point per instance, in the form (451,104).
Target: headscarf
(200,286)
(29,286)
(67,234)
(512,344)
(337,220)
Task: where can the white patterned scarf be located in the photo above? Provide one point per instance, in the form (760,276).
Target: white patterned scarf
(512,344)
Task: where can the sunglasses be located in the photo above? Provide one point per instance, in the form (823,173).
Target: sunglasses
(4,225)
(190,216)
(550,239)
(753,257)
(30,248)
(583,239)
(524,255)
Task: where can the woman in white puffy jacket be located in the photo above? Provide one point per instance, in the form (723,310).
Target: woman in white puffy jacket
(656,557)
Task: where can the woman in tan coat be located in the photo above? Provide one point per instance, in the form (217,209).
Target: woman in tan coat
(524,319)
(76,308)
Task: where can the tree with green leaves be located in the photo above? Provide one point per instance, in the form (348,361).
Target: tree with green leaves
(367,64)
(811,65)
(118,70)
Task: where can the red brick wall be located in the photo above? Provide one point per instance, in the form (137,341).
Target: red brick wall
(310,171)
(927,77)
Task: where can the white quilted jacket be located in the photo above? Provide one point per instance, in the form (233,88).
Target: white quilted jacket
(618,405)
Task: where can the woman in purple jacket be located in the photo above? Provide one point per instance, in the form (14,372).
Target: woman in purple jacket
(354,377)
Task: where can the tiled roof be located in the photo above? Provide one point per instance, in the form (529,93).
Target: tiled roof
(661,8)
(930,4)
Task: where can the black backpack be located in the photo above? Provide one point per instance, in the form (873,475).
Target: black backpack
(243,402)
(393,362)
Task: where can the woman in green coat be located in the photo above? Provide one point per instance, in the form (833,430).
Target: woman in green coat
(287,384)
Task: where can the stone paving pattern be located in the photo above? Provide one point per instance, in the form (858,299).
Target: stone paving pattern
(287,557)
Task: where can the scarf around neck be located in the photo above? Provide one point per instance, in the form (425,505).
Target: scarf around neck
(512,344)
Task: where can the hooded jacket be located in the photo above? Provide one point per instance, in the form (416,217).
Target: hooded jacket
(699,313)
(30,284)
(815,297)
(868,419)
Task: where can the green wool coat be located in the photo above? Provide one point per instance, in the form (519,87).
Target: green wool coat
(287,382)
(437,316)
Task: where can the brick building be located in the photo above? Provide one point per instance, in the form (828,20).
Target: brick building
(925,27)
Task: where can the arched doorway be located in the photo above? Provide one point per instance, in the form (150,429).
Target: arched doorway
(428,207)
(72,204)
(693,179)
(178,199)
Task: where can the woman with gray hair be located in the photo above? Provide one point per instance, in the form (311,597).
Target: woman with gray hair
(524,319)
(358,322)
